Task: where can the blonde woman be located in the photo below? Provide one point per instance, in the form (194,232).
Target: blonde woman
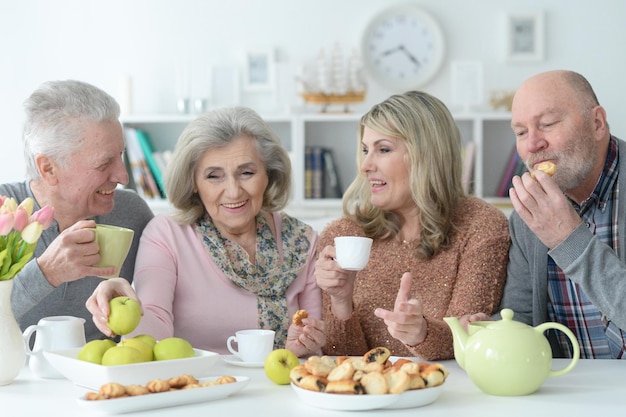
(436,251)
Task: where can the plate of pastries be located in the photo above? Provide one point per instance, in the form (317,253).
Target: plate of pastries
(375,380)
(115,398)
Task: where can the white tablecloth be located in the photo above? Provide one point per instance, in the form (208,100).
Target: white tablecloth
(594,387)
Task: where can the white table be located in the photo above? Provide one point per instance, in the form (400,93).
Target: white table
(594,387)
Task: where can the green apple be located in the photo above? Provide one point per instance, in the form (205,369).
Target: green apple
(173,348)
(278,365)
(141,346)
(94,350)
(122,355)
(150,340)
(124,315)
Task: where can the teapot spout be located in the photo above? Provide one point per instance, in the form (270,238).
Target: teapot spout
(459,339)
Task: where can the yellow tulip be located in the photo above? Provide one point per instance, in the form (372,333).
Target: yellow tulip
(31,233)
(28,204)
(9,206)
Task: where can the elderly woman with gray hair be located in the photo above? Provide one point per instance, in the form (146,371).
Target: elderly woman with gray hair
(227,259)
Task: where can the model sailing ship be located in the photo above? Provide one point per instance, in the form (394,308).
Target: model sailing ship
(334,80)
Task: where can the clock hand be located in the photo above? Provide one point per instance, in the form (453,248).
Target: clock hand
(391,51)
(409,55)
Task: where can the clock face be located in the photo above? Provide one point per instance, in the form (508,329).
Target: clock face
(403,48)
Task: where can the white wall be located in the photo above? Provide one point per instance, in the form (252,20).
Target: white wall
(100,41)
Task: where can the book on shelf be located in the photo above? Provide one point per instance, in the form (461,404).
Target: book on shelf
(469,155)
(321,179)
(332,187)
(148,151)
(515,166)
(308,172)
(142,177)
(317,170)
(162,158)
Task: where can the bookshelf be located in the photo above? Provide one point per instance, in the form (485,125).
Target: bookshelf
(494,142)
(338,132)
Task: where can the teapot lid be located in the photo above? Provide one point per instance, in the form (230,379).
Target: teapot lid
(507,321)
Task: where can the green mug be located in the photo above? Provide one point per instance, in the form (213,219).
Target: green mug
(114,242)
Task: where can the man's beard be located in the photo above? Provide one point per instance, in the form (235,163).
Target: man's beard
(574,163)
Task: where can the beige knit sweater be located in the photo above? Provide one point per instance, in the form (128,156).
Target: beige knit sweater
(468,277)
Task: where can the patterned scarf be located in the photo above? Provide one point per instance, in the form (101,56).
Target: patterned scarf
(270,276)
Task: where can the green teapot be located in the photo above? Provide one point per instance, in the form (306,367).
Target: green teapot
(507,357)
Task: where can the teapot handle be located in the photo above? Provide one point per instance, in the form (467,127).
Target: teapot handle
(576,354)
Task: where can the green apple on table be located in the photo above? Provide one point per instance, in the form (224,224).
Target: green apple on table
(124,315)
(278,365)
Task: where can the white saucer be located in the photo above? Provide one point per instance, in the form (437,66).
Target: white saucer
(235,360)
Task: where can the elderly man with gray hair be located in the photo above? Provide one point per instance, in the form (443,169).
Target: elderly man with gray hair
(73,148)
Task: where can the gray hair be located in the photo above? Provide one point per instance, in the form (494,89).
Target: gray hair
(56,114)
(216,129)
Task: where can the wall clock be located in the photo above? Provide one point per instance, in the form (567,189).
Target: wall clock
(403,47)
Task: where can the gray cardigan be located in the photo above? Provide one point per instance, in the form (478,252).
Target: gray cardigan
(598,269)
(34,298)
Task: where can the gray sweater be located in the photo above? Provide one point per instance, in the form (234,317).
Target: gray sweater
(34,298)
(598,269)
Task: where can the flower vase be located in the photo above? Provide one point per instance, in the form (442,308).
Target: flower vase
(12,347)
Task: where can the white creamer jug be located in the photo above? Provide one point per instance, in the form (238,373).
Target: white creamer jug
(52,333)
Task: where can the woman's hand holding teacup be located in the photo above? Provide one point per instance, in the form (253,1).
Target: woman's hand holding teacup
(336,282)
(406,322)
(308,339)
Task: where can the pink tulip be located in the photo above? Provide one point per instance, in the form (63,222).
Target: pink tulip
(44,216)
(6,223)
(20,229)
(21,219)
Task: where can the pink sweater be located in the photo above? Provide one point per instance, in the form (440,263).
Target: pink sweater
(184,294)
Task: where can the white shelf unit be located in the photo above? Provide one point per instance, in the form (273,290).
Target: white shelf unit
(339,132)
(494,143)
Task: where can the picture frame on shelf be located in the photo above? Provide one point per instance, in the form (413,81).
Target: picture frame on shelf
(525,37)
(224,86)
(259,72)
(467,84)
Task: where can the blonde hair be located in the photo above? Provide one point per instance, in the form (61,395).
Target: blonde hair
(433,145)
(216,129)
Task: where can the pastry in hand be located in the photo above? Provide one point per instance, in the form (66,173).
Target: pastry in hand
(545,166)
(298,316)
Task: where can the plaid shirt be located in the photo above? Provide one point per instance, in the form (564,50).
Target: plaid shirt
(599,338)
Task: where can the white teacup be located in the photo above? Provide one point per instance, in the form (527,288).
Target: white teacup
(52,333)
(253,345)
(352,252)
